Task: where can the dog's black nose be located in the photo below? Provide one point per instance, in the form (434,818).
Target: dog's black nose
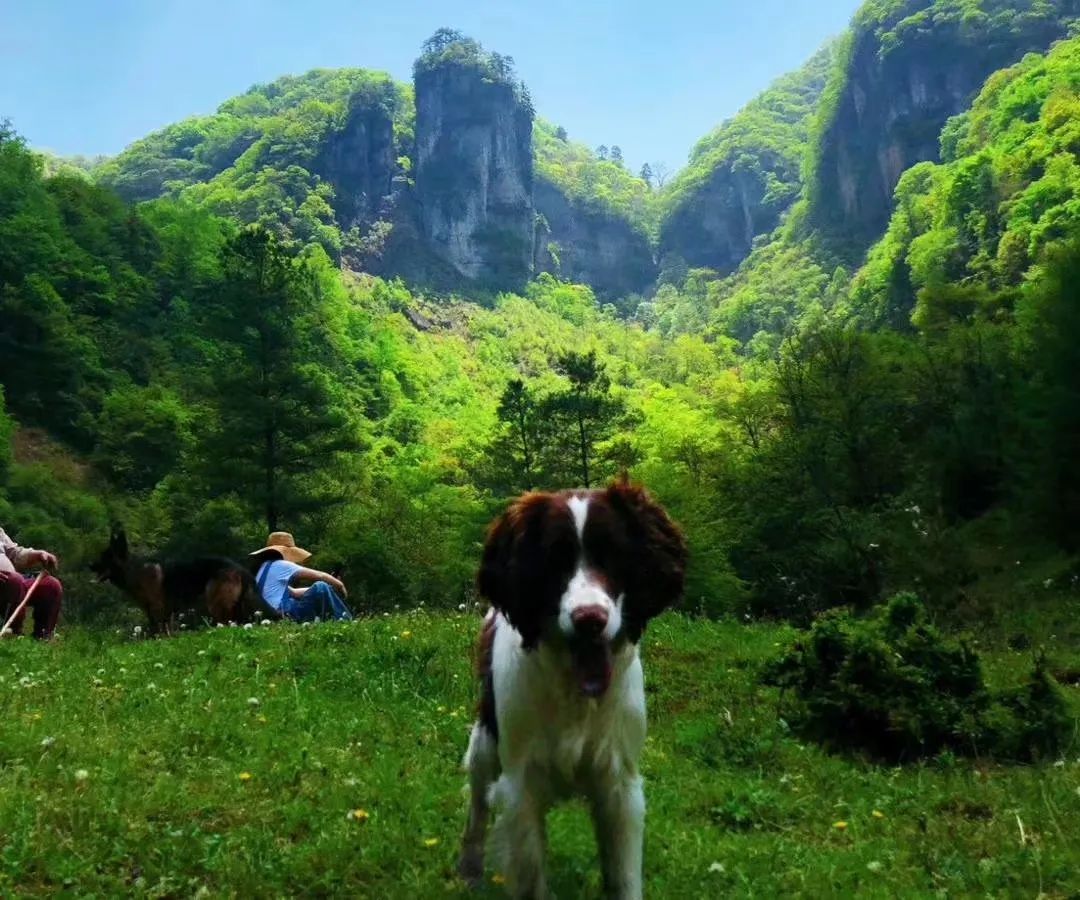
(589,621)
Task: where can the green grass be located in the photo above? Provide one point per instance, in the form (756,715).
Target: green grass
(121,762)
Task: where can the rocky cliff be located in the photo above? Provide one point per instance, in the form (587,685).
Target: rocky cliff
(907,72)
(359,161)
(714,226)
(743,177)
(474,173)
(590,246)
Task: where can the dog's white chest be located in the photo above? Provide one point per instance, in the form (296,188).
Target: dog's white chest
(548,730)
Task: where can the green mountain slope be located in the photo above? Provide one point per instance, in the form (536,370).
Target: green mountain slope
(905,67)
(329,157)
(1007,191)
(269,155)
(744,175)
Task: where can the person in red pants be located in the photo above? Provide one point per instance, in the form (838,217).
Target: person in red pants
(47,598)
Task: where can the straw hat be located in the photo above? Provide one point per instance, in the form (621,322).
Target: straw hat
(282,543)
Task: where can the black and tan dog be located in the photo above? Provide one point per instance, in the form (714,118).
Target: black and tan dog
(207,588)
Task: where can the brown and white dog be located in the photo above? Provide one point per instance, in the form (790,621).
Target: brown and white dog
(573,579)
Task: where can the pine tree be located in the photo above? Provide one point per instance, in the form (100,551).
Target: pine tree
(276,425)
(579,419)
(513,458)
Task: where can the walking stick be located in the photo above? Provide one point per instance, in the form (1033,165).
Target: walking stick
(26,599)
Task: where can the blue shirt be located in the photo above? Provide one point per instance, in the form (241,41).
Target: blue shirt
(278,574)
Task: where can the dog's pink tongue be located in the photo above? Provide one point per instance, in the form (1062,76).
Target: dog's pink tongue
(592,665)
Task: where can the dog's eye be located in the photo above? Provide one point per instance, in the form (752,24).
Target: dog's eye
(599,550)
(562,552)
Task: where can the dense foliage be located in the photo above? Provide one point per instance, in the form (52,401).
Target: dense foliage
(748,167)
(261,157)
(903,69)
(1007,190)
(155,374)
(895,687)
(597,185)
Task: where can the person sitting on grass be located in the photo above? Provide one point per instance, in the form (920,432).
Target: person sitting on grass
(281,580)
(48,595)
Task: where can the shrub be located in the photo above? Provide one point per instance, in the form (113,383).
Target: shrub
(892,686)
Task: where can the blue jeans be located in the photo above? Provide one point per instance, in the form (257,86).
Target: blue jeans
(320,601)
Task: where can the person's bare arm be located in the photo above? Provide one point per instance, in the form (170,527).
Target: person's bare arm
(313,575)
(24,558)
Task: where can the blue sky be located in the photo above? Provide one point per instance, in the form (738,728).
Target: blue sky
(92,76)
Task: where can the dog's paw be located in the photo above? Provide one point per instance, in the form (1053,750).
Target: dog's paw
(471,867)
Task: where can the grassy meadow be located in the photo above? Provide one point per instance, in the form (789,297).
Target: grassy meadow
(323,760)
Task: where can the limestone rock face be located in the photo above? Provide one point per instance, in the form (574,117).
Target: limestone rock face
(359,161)
(474,174)
(590,246)
(895,100)
(715,227)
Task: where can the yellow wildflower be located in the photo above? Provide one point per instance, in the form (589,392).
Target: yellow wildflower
(244,776)
(878,814)
(359,815)
(431,842)
(840,826)
(406,634)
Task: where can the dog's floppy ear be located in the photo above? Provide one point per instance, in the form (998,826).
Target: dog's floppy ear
(493,578)
(657,563)
(514,573)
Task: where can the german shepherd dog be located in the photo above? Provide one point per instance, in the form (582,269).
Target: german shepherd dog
(212,588)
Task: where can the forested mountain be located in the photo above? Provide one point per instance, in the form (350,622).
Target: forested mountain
(343,159)
(743,176)
(345,306)
(906,68)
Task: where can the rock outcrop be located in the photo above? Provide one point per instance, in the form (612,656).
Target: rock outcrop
(744,175)
(474,174)
(904,80)
(591,247)
(715,226)
(359,161)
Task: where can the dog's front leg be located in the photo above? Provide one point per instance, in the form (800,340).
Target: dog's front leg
(522,838)
(619,820)
(482,762)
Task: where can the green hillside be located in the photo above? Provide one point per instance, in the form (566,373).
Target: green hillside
(1005,193)
(745,174)
(603,186)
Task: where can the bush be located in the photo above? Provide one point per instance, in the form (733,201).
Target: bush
(892,686)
